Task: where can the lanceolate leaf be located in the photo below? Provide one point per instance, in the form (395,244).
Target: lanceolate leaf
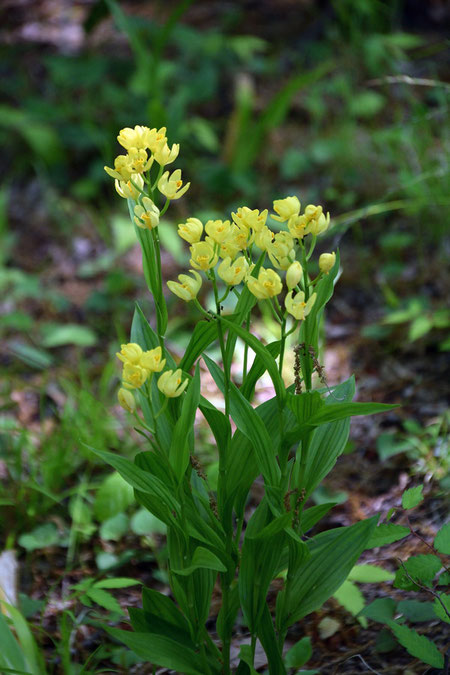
(202,559)
(317,579)
(161,651)
(387,533)
(257,370)
(184,428)
(205,332)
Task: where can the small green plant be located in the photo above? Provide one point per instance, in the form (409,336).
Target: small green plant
(425,572)
(292,440)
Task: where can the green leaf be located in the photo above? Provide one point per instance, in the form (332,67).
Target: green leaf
(33,656)
(202,559)
(11,655)
(113,496)
(312,515)
(420,327)
(370,574)
(423,567)
(32,356)
(205,332)
(114,528)
(439,610)
(179,449)
(416,611)
(381,610)
(417,645)
(339,411)
(118,582)
(387,533)
(104,599)
(299,654)
(41,537)
(68,334)
(257,370)
(350,597)
(263,353)
(267,637)
(163,607)
(250,424)
(143,481)
(143,522)
(442,540)
(412,497)
(160,650)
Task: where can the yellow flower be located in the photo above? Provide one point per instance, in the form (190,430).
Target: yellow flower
(293,275)
(188,288)
(203,256)
(151,360)
(147,214)
(281,250)
(218,230)
(233,273)
(134,138)
(126,400)
(133,376)
(297,226)
(130,353)
(123,169)
(297,306)
(267,285)
(140,161)
(263,238)
(191,231)
(248,218)
(171,186)
(286,208)
(164,155)
(228,249)
(156,138)
(326,262)
(240,235)
(170,383)
(127,190)
(317,221)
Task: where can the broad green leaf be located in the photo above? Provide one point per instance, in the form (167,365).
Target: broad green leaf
(299,654)
(442,540)
(32,356)
(305,405)
(267,637)
(316,581)
(205,332)
(245,666)
(350,597)
(145,622)
(339,411)
(114,528)
(312,515)
(68,334)
(145,523)
(261,351)
(416,611)
(113,496)
(143,481)
(439,609)
(257,370)
(162,606)
(412,497)
(202,559)
(423,567)
(33,656)
(251,425)
(161,651)
(381,610)
(41,537)
(417,645)
(387,533)
(11,655)
(218,422)
(370,574)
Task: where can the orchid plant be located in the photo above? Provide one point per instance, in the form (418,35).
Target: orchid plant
(289,443)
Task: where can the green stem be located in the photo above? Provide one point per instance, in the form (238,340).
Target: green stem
(283,345)
(244,367)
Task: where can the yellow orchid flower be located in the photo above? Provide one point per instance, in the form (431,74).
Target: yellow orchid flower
(130,353)
(203,256)
(297,306)
(267,285)
(151,360)
(146,215)
(191,231)
(188,288)
(133,376)
(171,384)
(233,273)
(286,208)
(126,400)
(218,230)
(171,185)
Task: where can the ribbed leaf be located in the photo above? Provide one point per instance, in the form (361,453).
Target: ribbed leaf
(184,428)
(205,332)
(257,370)
(202,559)
(160,651)
(387,533)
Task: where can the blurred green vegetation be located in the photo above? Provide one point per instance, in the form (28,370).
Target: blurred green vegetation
(343,103)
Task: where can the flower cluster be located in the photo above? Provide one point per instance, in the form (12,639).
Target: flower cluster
(132,175)
(138,367)
(225,248)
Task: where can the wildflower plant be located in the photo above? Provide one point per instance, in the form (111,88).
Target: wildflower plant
(290,442)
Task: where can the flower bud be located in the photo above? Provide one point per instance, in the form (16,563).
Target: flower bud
(326,262)
(293,275)
(126,400)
